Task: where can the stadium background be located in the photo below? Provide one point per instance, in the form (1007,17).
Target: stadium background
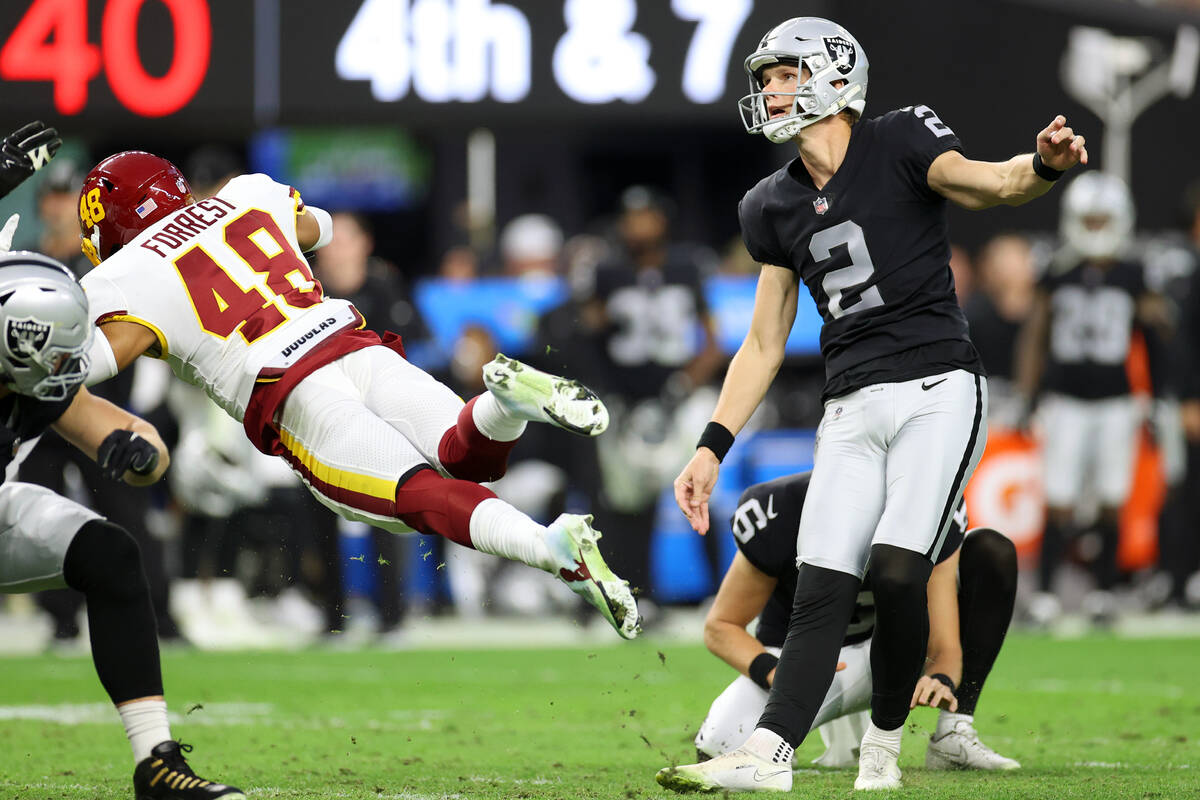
(443,121)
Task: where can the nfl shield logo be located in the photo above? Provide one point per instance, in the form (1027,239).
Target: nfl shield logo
(821,204)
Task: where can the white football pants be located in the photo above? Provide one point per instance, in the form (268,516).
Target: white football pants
(356,427)
(36,528)
(891,463)
(1088,443)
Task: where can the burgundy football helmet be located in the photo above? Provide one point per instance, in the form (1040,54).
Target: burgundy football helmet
(125,194)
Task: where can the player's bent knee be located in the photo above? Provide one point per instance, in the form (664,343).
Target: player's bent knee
(897,571)
(104,558)
(431,504)
(988,552)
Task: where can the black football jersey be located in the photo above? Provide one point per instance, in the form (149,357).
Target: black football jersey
(1092,312)
(653,318)
(873,248)
(26,418)
(765,526)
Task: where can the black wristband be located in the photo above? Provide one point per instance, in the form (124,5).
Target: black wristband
(942,677)
(1044,172)
(716,437)
(761,667)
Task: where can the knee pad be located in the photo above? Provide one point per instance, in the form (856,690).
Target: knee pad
(431,504)
(104,558)
(897,572)
(987,552)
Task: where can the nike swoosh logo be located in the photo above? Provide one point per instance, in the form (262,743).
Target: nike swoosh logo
(928,386)
(759,777)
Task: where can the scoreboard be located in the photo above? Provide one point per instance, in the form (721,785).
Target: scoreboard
(238,64)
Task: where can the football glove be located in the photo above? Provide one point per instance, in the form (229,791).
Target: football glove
(124,450)
(24,152)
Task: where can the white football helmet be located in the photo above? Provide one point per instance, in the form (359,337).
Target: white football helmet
(45,331)
(831,55)
(1097,215)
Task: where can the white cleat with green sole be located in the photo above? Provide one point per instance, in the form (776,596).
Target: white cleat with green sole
(541,397)
(736,771)
(572,540)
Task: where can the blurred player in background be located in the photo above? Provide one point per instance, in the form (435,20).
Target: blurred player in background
(971,593)
(860,218)
(1074,348)
(656,346)
(220,290)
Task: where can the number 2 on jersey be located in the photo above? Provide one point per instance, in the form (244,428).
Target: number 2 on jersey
(839,284)
(222,306)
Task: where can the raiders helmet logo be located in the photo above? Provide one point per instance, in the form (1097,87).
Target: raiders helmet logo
(26,336)
(841,53)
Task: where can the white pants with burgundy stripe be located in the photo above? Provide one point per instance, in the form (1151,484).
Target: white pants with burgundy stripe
(355,428)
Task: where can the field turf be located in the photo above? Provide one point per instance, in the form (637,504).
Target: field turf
(1091,718)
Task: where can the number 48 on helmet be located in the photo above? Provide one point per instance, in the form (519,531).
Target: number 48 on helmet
(125,194)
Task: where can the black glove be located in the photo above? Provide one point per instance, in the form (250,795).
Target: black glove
(24,152)
(124,450)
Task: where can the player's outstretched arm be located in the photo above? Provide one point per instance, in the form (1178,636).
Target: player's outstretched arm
(126,446)
(750,374)
(976,185)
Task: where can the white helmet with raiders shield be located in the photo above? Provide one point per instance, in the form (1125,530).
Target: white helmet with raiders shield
(45,331)
(831,55)
(1097,215)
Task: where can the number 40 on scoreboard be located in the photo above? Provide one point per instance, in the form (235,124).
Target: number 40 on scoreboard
(50,43)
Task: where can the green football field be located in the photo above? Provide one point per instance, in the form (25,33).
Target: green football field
(1088,718)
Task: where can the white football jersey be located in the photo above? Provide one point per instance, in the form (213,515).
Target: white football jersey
(225,288)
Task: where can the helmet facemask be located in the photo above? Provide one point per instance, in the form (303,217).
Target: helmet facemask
(837,81)
(45,333)
(50,374)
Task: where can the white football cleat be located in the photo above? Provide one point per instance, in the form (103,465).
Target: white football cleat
(961,749)
(572,540)
(877,768)
(538,396)
(736,771)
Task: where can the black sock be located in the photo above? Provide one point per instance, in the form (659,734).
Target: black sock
(987,589)
(1054,542)
(103,562)
(1105,566)
(898,579)
(820,613)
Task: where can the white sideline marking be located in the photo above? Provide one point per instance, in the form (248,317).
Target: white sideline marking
(261,791)
(1061,686)
(103,713)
